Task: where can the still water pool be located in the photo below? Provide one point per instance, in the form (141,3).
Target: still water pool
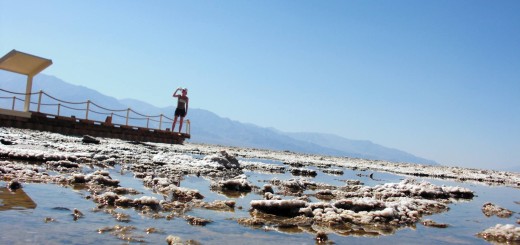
(42,214)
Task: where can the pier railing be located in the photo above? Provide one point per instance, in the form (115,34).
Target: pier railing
(90,111)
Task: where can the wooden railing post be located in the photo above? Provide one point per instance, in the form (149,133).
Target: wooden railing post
(127,115)
(88,108)
(188,126)
(160,122)
(39,100)
(14,101)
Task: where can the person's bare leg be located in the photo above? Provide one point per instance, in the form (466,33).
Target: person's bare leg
(180,124)
(174,122)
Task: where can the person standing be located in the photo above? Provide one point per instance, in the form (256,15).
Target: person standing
(182,107)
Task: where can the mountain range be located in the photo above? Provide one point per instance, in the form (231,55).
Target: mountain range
(206,126)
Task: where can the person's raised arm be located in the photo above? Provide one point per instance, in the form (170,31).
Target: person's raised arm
(175,93)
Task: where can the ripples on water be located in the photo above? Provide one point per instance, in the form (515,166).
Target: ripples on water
(41,214)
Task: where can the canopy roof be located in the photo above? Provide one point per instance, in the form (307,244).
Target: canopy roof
(26,64)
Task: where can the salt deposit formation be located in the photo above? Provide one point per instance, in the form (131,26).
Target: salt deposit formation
(282,193)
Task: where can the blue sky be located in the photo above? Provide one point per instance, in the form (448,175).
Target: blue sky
(439,79)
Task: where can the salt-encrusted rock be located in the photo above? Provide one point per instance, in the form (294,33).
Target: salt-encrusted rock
(107,198)
(224,159)
(458,192)
(76,214)
(237,184)
(151,202)
(501,233)
(262,167)
(324,194)
(410,188)
(49,220)
(177,206)
(358,205)
(14,185)
(267,188)
(288,208)
(125,190)
(432,223)
(174,240)
(271,196)
(196,220)
(78,178)
(303,172)
(251,222)
(87,139)
(228,205)
(102,180)
(490,209)
(182,194)
(123,201)
(63,163)
(293,185)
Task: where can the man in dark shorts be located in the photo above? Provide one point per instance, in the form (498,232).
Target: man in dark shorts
(182,107)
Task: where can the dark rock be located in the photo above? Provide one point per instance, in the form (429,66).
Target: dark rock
(321,237)
(87,139)
(6,142)
(14,185)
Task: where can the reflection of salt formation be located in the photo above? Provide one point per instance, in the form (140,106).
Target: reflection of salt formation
(17,199)
(376,210)
(303,172)
(333,171)
(289,208)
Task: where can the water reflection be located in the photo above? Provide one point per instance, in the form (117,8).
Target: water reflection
(15,200)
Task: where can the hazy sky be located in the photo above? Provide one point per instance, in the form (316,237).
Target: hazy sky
(438,79)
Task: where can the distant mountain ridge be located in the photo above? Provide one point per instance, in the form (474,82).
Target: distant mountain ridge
(207,127)
(358,148)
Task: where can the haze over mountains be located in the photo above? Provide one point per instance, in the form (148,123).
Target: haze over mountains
(206,127)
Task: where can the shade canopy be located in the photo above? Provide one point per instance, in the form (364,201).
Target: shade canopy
(23,63)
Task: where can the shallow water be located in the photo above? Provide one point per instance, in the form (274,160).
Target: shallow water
(23,214)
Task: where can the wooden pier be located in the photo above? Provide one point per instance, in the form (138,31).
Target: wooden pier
(80,127)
